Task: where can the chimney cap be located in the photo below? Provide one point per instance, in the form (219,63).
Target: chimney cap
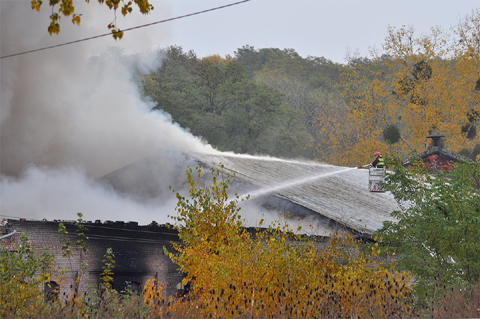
(435,138)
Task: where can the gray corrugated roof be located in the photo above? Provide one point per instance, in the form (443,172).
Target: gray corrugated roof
(343,197)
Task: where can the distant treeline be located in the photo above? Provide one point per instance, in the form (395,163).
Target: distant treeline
(258,101)
(274,102)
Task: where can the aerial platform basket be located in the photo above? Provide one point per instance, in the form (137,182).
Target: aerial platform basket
(376,178)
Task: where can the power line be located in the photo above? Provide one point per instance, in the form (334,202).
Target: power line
(129,29)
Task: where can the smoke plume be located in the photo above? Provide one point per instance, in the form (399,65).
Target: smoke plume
(73,120)
(73,114)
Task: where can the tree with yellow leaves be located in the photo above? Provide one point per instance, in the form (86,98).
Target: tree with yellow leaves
(22,272)
(271,273)
(421,84)
(67,9)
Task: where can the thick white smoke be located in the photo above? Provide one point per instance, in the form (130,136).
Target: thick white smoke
(58,193)
(72,114)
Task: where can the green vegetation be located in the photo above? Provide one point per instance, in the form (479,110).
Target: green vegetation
(22,272)
(258,102)
(234,273)
(438,237)
(275,102)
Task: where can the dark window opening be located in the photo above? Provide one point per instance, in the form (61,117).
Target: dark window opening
(51,291)
(133,287)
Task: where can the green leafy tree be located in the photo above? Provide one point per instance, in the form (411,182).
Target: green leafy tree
(438,236)
(215,100)
(308,86)
(252,114)
(173,88)
(68,250)
(210,77)
(250,59)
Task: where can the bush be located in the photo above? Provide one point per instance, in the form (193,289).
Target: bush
(391,134)
(22,274)
(272,273)
(439,235)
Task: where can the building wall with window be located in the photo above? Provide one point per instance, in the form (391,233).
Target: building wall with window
(138,252)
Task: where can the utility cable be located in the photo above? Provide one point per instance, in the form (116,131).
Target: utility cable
(128,29)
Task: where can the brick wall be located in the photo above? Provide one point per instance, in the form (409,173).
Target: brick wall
(437,158)
(436,162)
(138,251)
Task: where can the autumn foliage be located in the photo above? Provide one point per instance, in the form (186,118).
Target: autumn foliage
(66,8)
(272,273)
(233,272)
(417,85)
(21,276)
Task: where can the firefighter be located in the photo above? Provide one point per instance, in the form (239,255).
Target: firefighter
(378,162)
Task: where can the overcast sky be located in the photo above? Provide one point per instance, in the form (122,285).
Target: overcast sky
(312,27)
(327,28)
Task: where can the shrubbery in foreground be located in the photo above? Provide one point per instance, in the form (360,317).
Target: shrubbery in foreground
(275,274)
(438,237)
(236,274)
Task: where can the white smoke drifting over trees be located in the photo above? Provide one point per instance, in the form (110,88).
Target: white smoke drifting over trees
(72,114)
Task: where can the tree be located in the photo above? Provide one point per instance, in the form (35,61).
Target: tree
(22,273)
(252,115)
(304,83)
(419,84)
(224,100)
(438,236)
(352,132)
(215,100)
(272,273)
(249,59)
(67,9)
(254,60)
(173,86)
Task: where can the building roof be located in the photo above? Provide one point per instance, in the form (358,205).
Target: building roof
(327,196)
(338,193)
(436,157)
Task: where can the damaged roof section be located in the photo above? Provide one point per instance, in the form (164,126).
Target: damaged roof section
(326,197)
(337,193)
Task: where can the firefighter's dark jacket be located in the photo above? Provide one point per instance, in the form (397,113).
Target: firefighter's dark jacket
(378,162)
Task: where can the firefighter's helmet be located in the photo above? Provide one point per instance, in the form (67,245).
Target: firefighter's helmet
(377,154)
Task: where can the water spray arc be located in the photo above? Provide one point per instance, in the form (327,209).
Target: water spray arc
(288,184)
